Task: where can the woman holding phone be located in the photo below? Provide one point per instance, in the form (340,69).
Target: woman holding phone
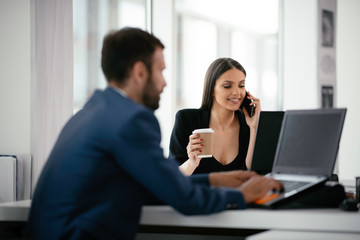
(222,109)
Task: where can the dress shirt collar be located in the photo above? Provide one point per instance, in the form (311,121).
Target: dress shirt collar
(120,91)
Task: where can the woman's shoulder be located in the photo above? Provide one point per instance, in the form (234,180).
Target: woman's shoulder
(189,111)
(193,115)
(192,112)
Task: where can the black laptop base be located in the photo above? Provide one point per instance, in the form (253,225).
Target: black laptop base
(326,195)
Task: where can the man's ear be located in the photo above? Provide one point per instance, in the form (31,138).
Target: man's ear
(139,73)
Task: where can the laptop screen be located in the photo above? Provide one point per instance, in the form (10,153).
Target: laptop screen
(309,141)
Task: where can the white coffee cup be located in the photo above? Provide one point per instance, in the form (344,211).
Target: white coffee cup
(207,135)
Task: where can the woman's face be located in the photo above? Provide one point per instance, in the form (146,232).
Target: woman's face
(229,90)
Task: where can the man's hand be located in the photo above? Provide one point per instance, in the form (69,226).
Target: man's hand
(230,179)
(258,186)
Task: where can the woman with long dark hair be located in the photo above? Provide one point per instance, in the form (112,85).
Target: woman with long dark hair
(223,111)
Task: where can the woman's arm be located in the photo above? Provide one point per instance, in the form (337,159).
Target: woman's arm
(251,146)
(188,167)
(185,146)
(252,122)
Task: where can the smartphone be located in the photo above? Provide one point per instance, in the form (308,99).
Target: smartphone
(248,108)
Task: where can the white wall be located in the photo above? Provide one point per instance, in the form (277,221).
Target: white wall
(348,84)
(15,77)
(300,70)
(35,76)
(299,54)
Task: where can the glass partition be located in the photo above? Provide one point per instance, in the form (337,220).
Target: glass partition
(92,20)
(246,30)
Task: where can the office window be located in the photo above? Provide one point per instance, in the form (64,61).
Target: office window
(194,55)
(92,20)
(246,30)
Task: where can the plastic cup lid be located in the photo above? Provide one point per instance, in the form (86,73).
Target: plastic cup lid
(203,130)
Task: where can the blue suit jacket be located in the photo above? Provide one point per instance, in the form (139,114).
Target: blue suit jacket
(106,164)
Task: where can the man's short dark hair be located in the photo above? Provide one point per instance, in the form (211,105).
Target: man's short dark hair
(121,49)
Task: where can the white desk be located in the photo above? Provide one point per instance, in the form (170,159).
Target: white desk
(286,235)
(322,220)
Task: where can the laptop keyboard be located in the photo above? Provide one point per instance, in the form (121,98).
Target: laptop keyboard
(291,185)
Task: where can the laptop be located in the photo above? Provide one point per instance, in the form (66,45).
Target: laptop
(306,152)
(267,137)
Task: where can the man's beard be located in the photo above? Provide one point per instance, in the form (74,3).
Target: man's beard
(150,95)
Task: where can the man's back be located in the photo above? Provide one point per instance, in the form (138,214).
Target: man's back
(82,174)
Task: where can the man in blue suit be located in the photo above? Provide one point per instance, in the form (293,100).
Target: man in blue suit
(107,162)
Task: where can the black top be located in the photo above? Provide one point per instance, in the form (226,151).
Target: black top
(188,120)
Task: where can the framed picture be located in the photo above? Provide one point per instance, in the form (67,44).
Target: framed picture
(327,28)
(327,97)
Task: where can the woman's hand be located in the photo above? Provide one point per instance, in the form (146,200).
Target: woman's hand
(253,121)
(194,149)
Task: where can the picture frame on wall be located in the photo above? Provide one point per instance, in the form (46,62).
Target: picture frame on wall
(327,28)
(327,96)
